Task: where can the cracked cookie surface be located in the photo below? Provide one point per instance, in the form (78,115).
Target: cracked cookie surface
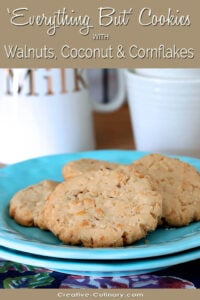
(179,184)
(103,208)
(26,206)
(84,165)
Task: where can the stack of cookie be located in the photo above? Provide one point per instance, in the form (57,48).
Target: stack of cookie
(102,204)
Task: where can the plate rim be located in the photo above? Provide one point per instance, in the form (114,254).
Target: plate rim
(101,268)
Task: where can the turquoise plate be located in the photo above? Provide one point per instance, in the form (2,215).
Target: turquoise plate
(36,241)
(101,267)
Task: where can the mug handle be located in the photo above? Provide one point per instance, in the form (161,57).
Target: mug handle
(118,100)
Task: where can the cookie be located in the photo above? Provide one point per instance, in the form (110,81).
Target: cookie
(179,184)
(26,205)
(104,208)
(81,166)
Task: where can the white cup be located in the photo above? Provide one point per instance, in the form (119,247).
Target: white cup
(165,114)
(177,73)
(47,111)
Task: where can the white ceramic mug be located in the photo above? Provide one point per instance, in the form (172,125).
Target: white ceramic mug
(165,114)
(177,73)
(47,111)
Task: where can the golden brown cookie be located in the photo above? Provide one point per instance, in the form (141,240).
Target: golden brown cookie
(81,166)
(27,204)
(103,208)
(179,184)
